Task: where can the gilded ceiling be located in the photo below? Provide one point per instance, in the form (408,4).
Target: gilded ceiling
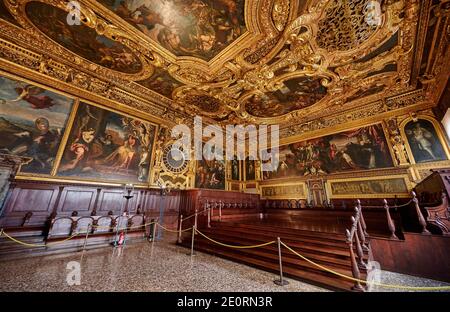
(236,61)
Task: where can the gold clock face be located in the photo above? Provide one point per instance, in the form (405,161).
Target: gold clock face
(175,159)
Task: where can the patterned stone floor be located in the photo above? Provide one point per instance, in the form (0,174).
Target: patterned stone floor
(163,267)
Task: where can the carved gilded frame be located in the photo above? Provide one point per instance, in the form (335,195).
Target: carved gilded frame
(76,102)
(405,194)
(286,184)
(439,131)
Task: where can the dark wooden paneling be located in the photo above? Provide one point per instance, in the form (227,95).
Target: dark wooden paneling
(420,255)
(23,199)
(76,198)
(43,199)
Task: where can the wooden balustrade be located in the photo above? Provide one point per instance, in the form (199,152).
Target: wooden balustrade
(422,221)
(390,222)
(355,240)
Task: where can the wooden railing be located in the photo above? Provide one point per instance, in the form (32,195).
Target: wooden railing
(357,241)
(67,226)
(417,211)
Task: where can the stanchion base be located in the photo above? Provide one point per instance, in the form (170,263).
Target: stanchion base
(281,282)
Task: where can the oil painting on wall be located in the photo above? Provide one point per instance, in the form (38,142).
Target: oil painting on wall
(199,28)
(32,122)
(360,149)
(104,145)
(210,174)
(424,141)
(250,169)
(235,169)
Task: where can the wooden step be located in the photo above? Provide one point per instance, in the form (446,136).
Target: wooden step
(256,239)
(323,248)
(322,279)
(323,258)
(278,229)
(274,233)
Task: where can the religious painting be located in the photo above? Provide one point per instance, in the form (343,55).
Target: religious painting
(296,93)
(360,149)
(82,40)
(424,141)
(250,170)
(210,174)
(198,28)
(235,169)
(104,145)
(32,123)
(161,82)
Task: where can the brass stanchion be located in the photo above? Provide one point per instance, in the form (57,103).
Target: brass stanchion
(180,228)
(192,240)
(85,241)
(281,281)
(209,217)
(154,230)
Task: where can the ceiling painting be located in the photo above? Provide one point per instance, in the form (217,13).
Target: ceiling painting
(81,39)
(197,28)
(244,61)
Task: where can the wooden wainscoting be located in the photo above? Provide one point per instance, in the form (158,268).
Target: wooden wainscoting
(34,203)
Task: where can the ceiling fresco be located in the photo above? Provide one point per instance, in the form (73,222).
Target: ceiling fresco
(198,28)
(243,61)
(296,93)
(80,39)
(161,82)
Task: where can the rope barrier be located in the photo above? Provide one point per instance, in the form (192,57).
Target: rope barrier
(2,232)
(232,246)
(173,231)
(196,213)
(363,281)
(390,207)
(36,245)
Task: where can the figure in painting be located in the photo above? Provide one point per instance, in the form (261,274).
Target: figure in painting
(424,142)
(122,151)
(82,39)
(295,94)
(361,149)
(210,174)
(249,169)
(32,121)
(80,149)
(199,28)
(235,169)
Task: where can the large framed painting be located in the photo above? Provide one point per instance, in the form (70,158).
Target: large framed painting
(210,174)
(250,173)
(424,141)
(235,169)
(364,148)
(32,123)
(104,145)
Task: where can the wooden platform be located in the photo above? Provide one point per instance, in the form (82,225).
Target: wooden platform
(324,248)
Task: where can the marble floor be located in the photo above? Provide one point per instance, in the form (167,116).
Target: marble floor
(164,267)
